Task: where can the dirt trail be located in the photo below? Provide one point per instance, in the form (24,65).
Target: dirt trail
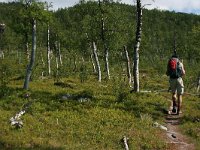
(174,137)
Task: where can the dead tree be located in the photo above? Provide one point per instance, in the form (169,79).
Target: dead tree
(93,64)
(97,61)
(57,57)
(92,54)
(125,142)
(48,51)
(32,60)
(2,29)
(48,5)
(137,46)
(198,84)
(128,66)
(59,54)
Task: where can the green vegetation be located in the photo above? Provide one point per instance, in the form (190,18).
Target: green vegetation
(100,122)
(107,113)
(70,109)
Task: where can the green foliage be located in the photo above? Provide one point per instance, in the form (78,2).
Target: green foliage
(109,113)
(83,73)
(97,115)
(5,73)
(8,71)
(72,124)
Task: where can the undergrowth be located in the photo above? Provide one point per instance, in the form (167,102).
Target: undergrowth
(82,115)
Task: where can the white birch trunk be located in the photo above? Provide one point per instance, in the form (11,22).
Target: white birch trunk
(57,65)
(107,62)
(2,28)
(32,60)
(106,53)
(137,47)
(128,66)
(48,51)
(59,53)
(57,57)
(92,55)
(93,64)
(125,141)
(97,61)
(1,54)
(43,64)
(198,84)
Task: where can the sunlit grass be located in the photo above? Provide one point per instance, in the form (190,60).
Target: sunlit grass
(109,112)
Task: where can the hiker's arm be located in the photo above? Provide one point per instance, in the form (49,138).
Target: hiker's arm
(183,70)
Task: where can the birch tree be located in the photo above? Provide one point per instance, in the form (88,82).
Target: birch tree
(34,12)
(128,66)
(48,51)
(32,60)
(48,5)
(2,28)
(137,46)
(58,56)
(105,46)
(97,61)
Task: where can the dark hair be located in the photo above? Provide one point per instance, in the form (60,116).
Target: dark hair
(174,56)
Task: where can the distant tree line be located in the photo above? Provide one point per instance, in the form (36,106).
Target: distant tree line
(67,39)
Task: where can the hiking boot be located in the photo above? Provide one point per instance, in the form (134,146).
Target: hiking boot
(174,110)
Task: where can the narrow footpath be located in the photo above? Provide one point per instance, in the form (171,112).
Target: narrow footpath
(174,137)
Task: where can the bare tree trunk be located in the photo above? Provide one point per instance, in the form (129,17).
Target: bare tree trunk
(32,60)
(2,29)
(1,54)
(107,61)
(57,65)
(75,64)
(137,47)
(93,64)
(59,54)
(125,141)
(43,64)
(92,54)
(97,61)
(128,66)
(57,57)
(48,51)
(106,53)
(198,84)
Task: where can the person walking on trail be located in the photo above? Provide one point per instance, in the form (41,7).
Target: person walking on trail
(175,71)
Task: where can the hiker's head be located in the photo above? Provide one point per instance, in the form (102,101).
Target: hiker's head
(174,56)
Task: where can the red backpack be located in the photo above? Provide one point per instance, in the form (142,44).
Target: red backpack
(174,69)
(172,64)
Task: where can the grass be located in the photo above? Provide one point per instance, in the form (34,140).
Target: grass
(191,120)
(100,122)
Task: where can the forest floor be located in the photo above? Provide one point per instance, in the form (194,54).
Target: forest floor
(73,115)
(174,136)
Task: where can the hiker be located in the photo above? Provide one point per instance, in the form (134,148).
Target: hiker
(175,71)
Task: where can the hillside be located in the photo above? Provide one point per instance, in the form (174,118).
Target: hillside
(69,108)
